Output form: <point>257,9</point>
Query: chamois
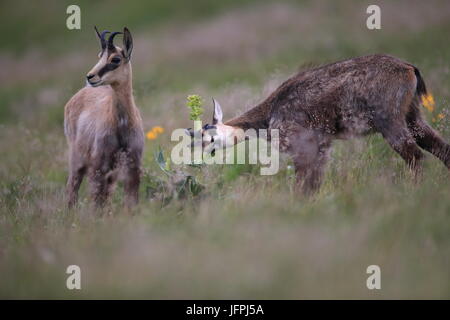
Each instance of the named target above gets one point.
<point>355,97</point>
<point>103,126</point>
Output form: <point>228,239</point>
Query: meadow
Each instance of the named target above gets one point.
<point>241,235</point>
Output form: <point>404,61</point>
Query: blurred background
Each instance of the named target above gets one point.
<point>244,236</point>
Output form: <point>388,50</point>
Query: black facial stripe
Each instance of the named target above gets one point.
<point>107,68</point>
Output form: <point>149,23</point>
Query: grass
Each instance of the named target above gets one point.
<point>245,235</point>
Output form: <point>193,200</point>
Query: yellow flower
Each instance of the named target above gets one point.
<point>158,129</point>
<point>151,135</point>
<point>440,116</point>
<point>428,102</point>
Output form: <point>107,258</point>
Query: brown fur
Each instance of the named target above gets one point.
<point>103,126</point>
<point>376,93</point>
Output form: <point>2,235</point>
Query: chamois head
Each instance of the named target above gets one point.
<point>217,135</point>
<point>114,67</point>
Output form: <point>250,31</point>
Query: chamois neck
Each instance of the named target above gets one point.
<point>255,118</point>
<point>124,92</point>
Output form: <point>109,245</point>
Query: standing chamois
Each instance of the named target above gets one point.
<point>355,97</point>
<point>103,126</point>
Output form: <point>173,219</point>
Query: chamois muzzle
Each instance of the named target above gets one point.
<point>92,80</point>
<point>89,79</point>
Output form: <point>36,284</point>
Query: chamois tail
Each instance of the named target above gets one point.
<point>421,89</point>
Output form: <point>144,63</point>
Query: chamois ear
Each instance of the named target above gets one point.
<point>127,43</point>
<point>218,115</point>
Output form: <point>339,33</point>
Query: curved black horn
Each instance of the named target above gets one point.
<point>103,40</point>
<point>111,40</point>
<point>102,37</point>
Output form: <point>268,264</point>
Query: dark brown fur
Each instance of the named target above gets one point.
<point>376,93</point>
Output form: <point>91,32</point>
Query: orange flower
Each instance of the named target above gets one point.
<point>428,102</point>
<point>440,116</point>
<point>151,135</point>
<point>158,129</point>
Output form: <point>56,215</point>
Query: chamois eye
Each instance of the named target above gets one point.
<point>115,60</point>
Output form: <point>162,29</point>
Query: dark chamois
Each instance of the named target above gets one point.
<point>103,126</point>
<point>376,93</point>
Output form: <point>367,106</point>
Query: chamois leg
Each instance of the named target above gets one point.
<point>102,178</point>
<point>77,171</point>
<point>310,153</point>
<point>428,139</point>
<point>402,141</point>
<point>132,178</point>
